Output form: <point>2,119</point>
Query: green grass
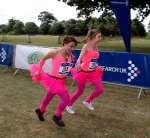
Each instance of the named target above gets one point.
<point>140,45</point>
<point>46,40</point>
<point>118,113</point>
<point>148,35</point>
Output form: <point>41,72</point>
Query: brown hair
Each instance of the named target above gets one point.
<point>69,39</point>
<point>91,34</point>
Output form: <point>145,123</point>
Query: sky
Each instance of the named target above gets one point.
<point>28,10</point>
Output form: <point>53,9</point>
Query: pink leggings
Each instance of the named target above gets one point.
<point>57,87</point>
<point>82,79</point>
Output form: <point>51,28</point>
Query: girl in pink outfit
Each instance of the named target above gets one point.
<point>88,71</point>
<point>54,82</point>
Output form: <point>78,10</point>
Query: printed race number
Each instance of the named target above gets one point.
<point>63,70</point>
<point>93,64</point>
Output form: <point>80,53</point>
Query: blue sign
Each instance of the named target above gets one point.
<point>121,9</point>
<point>148,63</point>
<point>124,68</point>
<point>6,54</point>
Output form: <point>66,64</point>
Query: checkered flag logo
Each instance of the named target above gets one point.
<point>133,71</point>
<point>3,54</point>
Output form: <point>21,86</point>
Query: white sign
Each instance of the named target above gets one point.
<point>27,54</point>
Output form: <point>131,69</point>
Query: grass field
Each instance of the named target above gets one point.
<point>118,114</point>
<point>140,45</point>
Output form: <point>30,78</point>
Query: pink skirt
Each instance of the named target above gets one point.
<point>44,78</point>
<point>81,75</point>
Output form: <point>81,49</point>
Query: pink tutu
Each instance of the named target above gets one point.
<point>45,80</point>
<point>87,76</point>
<point>33,69</point>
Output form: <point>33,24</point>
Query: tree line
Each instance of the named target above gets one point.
<point>87,7</point>
<point>50,25</point>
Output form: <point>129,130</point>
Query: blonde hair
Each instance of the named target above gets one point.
<point>91,34</point>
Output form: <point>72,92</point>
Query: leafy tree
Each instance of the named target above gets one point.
<point>70,27</point>
<point>46,17</point>
<point>3,29</point>
<point>31,28</point>
<point>58,28</point>
<point>87,7</point>
<point>108,26</point>
<point>92,22</point>
<point>149,27</point>
<point>138,28</point>
<point>18,27</point>
<point>11,23</point>
<point>44,28</point>
<point>81,27</point>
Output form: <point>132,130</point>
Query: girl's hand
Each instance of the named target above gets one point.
<point>78,67</point>
<point>37,73</point>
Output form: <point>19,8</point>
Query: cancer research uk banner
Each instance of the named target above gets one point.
<point>126,68</point>
<point>26,55</point>
<point>6,54</point>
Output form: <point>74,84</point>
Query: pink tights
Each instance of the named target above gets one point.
<point>81,82</point>
<point>59,89</point>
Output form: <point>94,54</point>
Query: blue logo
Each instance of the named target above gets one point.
<point>3,55</point>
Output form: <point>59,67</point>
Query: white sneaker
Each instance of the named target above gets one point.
<point>88,105</point>
<point>70,110</point>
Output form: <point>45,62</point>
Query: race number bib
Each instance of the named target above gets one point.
<point>93,64</point>
<point>63,70</point>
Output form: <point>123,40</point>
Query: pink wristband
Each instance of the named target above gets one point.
<point>78,62</point>
<point>41,63</point>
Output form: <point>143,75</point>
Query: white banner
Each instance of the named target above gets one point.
<point>27,54</point>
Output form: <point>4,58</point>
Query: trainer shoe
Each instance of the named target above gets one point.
<point>88,105</point>
<point>58,121</point>
<point>70,110</point>
<point>39,114</point>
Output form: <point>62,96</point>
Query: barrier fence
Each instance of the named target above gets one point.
<point>123,68</point>
<point>6,54</point>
